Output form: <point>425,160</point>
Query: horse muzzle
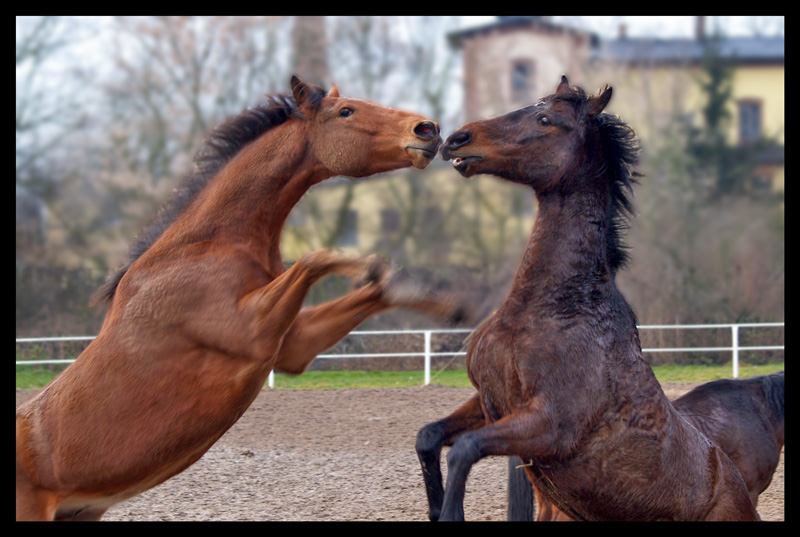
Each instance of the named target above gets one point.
<point>423,152</point>
<point>452,150</point>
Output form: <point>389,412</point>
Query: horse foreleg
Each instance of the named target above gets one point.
<point>276,305</point>
<point>430,440</point>
<point>524,434</point>
<point>318,328</point>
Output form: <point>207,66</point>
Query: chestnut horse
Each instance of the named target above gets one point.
<point>744,417</point>
<point>205,308</point>
<point>558,368</point>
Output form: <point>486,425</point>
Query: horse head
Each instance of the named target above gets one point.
<point>358,138</point>
<point>536,145</point>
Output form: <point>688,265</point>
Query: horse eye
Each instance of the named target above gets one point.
<point>544,121</point>
<point>346,112</point>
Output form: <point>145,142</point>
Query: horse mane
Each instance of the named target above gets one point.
<point>222,144</point>
<point>620,149</point>
<point>621,153</point>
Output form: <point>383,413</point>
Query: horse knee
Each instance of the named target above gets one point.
<point>429,440</point>
<point>465,451</point>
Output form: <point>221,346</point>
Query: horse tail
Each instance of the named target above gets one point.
<point>520,493</point>
<point>773,387</point>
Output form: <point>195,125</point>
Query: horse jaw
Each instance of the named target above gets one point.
<point>421,156</point>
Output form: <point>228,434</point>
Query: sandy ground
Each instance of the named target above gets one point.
<point>336,455</point>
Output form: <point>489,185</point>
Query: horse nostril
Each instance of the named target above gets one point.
<point>426,130</point>
<point>458,139</point>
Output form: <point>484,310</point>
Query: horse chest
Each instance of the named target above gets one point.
<point>490,367</point>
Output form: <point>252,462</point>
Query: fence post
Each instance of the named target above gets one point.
<point>427,357</point>
<point>735,334</point>
<point>271,379</point>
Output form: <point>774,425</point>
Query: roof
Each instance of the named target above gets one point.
<point>527,21</point>
<point>741,49</point>
<point>635,50</point>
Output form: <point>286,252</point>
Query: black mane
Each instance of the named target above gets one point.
<point>621,154</point>
<point>222,144</point>
<point>620,149</point>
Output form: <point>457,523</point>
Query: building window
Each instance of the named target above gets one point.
<point>522,81</point>
<point>749,121</point>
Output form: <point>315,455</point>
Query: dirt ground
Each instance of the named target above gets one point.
<point>336,455</point>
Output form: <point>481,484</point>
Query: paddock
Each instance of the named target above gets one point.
<point>335,455</point>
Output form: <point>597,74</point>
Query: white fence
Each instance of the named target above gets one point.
<point>426,353</point>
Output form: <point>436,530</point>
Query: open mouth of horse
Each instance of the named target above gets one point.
<point>461,163</point>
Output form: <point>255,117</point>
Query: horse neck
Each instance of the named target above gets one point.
<point>568,244</point>
<point>250,198</point>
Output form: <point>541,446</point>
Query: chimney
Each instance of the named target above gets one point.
<point>700,28</point>
<point>623,31</point>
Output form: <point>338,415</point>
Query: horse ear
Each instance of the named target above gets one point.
<point>299,89</point>
<point>596,104</point>
<point>334,91</point>
<point>563,86</point>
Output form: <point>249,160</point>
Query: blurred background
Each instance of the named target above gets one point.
<point>111,110</point>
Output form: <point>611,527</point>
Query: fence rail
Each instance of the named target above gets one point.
<point>735,348</point>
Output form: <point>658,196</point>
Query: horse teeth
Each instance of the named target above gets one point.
<point>457,161</point>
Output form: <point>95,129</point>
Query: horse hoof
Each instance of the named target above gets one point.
<point>376,269</point>
<point>401,289</point>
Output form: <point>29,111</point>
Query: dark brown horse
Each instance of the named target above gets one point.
<point>558,369</point>
<point>745,418</point>
<point>205,308</point>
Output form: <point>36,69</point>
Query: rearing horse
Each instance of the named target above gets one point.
<point>558,368</point>
<point>205,308</point>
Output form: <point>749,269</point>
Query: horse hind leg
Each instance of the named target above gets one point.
<point>84,515</point>
<point>34,503</point>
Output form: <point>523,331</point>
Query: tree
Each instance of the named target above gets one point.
<point>708,144</point>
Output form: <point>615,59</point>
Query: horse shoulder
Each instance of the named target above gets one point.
<point>190,291</point>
